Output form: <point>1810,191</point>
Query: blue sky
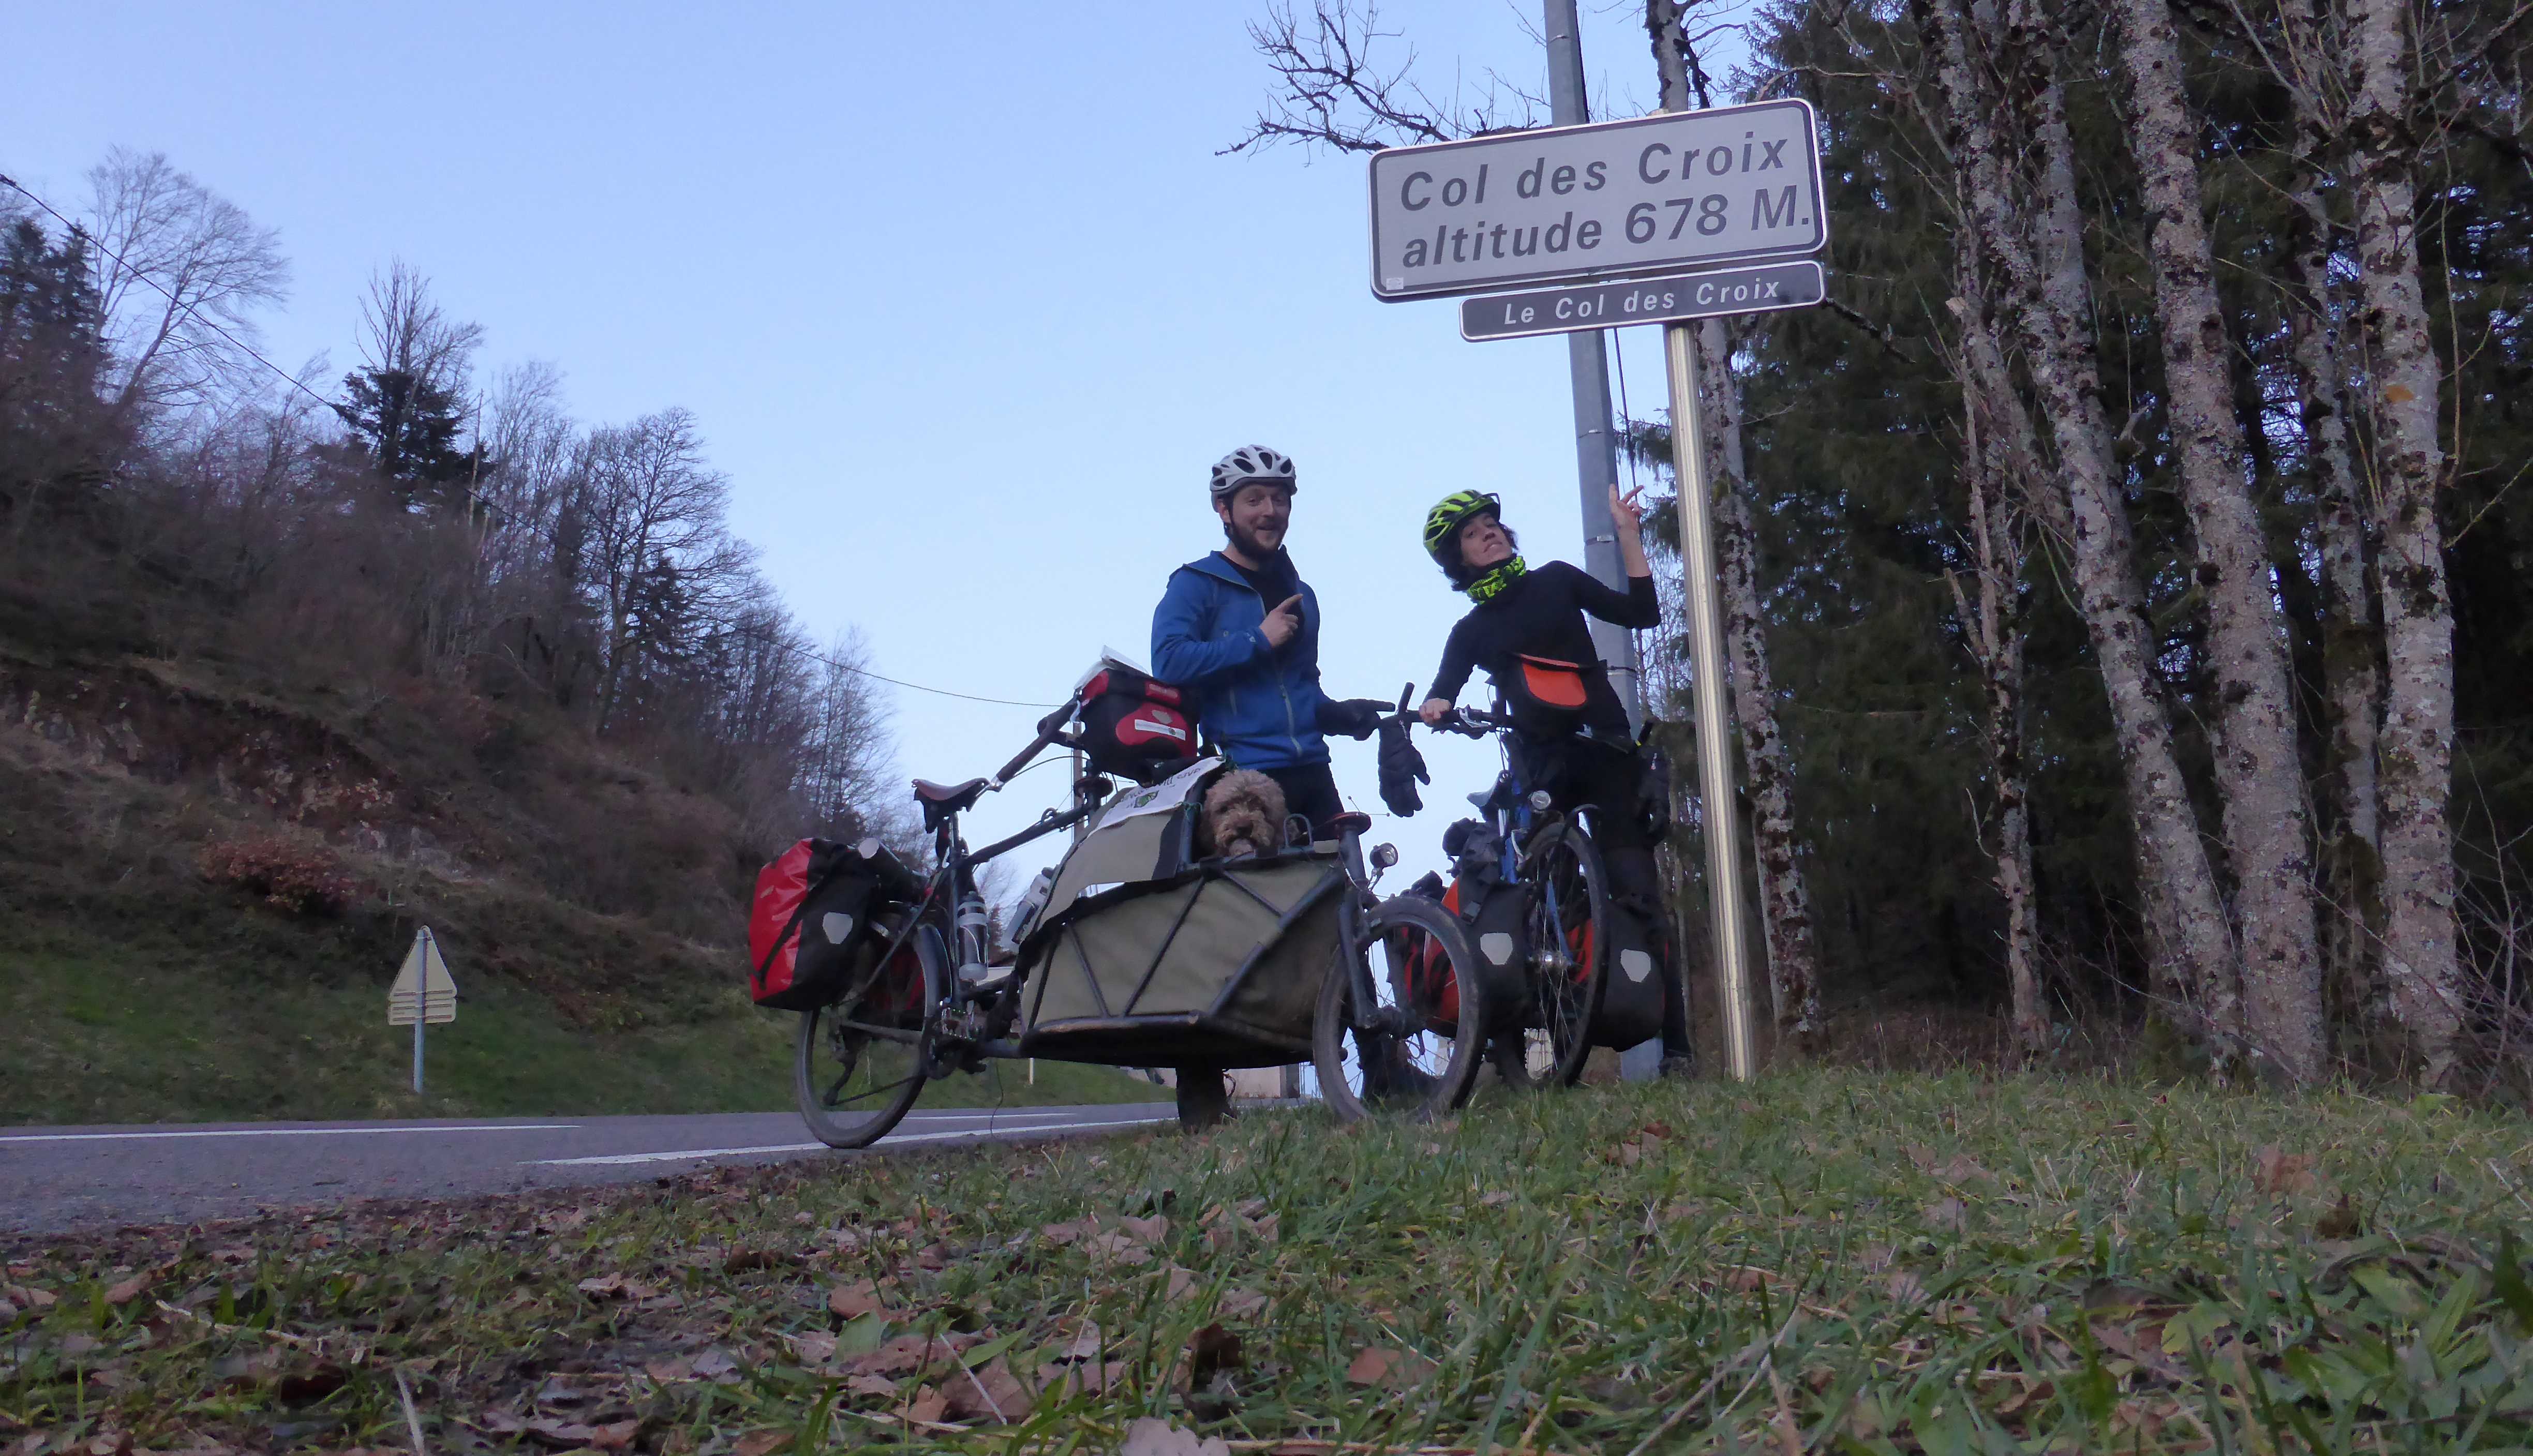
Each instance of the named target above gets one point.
<point>961,295</point>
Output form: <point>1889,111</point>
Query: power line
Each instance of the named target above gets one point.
<point>471,495</point>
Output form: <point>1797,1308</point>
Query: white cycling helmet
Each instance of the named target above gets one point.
<point>1248,464</point>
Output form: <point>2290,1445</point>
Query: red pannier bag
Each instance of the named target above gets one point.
<point>1134,726</point>
<point>809,925</point>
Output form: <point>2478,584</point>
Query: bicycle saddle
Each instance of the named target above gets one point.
<point>950,795</point>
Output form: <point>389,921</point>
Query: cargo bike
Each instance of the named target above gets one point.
<point>1137,948</point>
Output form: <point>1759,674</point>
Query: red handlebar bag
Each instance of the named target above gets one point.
<point>1134,726</point>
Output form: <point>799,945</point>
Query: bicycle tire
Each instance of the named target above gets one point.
<point>823,1046</point>
<point>1562,874</point>
<point>1448,1062</point>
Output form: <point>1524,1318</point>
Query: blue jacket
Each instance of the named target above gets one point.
<point>1260,707</point>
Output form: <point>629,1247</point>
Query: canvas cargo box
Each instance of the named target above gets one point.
<point>1145,956</point>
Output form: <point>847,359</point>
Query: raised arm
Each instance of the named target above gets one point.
<point>1182,653</point>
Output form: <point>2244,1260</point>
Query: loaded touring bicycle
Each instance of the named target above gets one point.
<point>1137,948</point>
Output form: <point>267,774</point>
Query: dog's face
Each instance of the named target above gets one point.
<point>1244,814</point>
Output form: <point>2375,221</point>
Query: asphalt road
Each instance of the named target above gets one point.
<point>63,1180</point>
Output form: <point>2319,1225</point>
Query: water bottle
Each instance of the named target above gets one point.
<point>1032,906</point>
<point>973,937</point>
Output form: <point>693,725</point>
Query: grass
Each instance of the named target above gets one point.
<point>92,1031</point>
<point>1831,1260</point>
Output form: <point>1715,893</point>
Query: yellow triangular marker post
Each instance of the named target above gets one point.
<point>423,993</point>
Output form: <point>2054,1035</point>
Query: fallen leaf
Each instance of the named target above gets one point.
<point>855,1300</point>
<point>1396,1368</point>
<point>902,1356</point>
<point>1240,1304</point>
<point>1269,1229</point>
<point>1181,1282</point>
<point>1946,1213</point>
<point>762,1442</point>
<point>1066,1232</point>
<point>1213,1350</point>
<point>1905,1287</point>
<point>1747,1279</point>
<point>1630,1154</point>
<point>749,1260</point>
<point>669,1372</point>
<point>1659,1130</point>
<point>813,1346</point>
<point>2142,1349</point>
<point>2278,1172</point>
<point>1959,1168</point>
<point>1145,1229</point>
<point>2340,1222</point>
<point>1084,1344</point>
<point>929,1406</point>
<point>604,1286</point>
<point>1251,1207</point>
<point>988,1394</point>
<point>1068,1381</point>
<point>1495,1199</point>
<point>1151,1435</point>
<point>128,1291</point>
<point>715,1365</point>
<point>879,1385</point>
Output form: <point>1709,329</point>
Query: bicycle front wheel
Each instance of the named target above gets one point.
<point>859,1062</point>
<point>1425,984</point>
<point>1565,917</point>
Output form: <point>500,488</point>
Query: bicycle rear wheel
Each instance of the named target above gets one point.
<point>1565,917</point>
<point>859,1062</point>
<point>1423,972</point>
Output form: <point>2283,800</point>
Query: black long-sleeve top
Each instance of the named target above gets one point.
<point>1541,615</point>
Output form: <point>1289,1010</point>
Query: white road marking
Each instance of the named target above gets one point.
<point>277,1133</point>
<point>894,1139</point>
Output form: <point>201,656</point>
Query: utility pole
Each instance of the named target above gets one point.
<point>1595,450</point>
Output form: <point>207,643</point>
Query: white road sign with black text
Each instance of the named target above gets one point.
<point>1675,190</point>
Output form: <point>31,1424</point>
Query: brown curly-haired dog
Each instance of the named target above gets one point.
<point>1243,814</point>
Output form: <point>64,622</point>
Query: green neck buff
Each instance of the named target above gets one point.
<point>1498,577</point>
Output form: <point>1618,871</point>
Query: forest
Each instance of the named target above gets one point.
<point>375,646</point>
<point>2124,569</point>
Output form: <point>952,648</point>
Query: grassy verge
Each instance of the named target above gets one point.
<point>1830,1261</point>
<point>93,1033</point>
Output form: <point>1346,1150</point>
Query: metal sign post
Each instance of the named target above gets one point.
<point>423,993</point>
<point>1713,730</point>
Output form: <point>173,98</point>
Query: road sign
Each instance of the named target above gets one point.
<point>422,993</point>
<point>1581,306</point>
<point>1615,198</point>
<point>423,990</point>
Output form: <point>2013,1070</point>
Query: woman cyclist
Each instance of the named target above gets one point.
<point>1571,735</point>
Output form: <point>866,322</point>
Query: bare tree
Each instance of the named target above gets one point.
<point>2016,176</point>
<point>1332,91</point>
<point>403,331</point>
<point>2402,378</point>
<point>649,497</point>
<point>181,273</point>
<point>2258,769</point>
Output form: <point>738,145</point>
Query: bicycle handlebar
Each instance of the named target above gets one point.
<point>1049,728</point>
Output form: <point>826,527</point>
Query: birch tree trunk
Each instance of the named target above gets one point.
<point>2040,275</point>
<point>2416,748</point>
<point>2260,777</point>
<point>1785,901</point>
<point>1995,627</point>
<point>2352,643</point>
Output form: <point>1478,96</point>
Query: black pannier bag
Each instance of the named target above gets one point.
<point>1134,726</point>
<point>808,928</point>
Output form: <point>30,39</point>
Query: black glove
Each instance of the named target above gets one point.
<point>1355,717</point>
<point>1402,767</point>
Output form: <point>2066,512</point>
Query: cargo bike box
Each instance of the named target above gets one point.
<point>1137,953</point>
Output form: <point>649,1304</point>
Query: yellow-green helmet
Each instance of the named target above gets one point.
<point>1453,511</point>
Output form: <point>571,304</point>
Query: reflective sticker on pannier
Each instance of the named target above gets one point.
<point>1636,963</point>
<point>1144,730</point>
<point>839,928</point>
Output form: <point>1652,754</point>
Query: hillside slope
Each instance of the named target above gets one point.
<point>212,868</point>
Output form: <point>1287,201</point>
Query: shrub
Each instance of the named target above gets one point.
<point>295,878</point>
